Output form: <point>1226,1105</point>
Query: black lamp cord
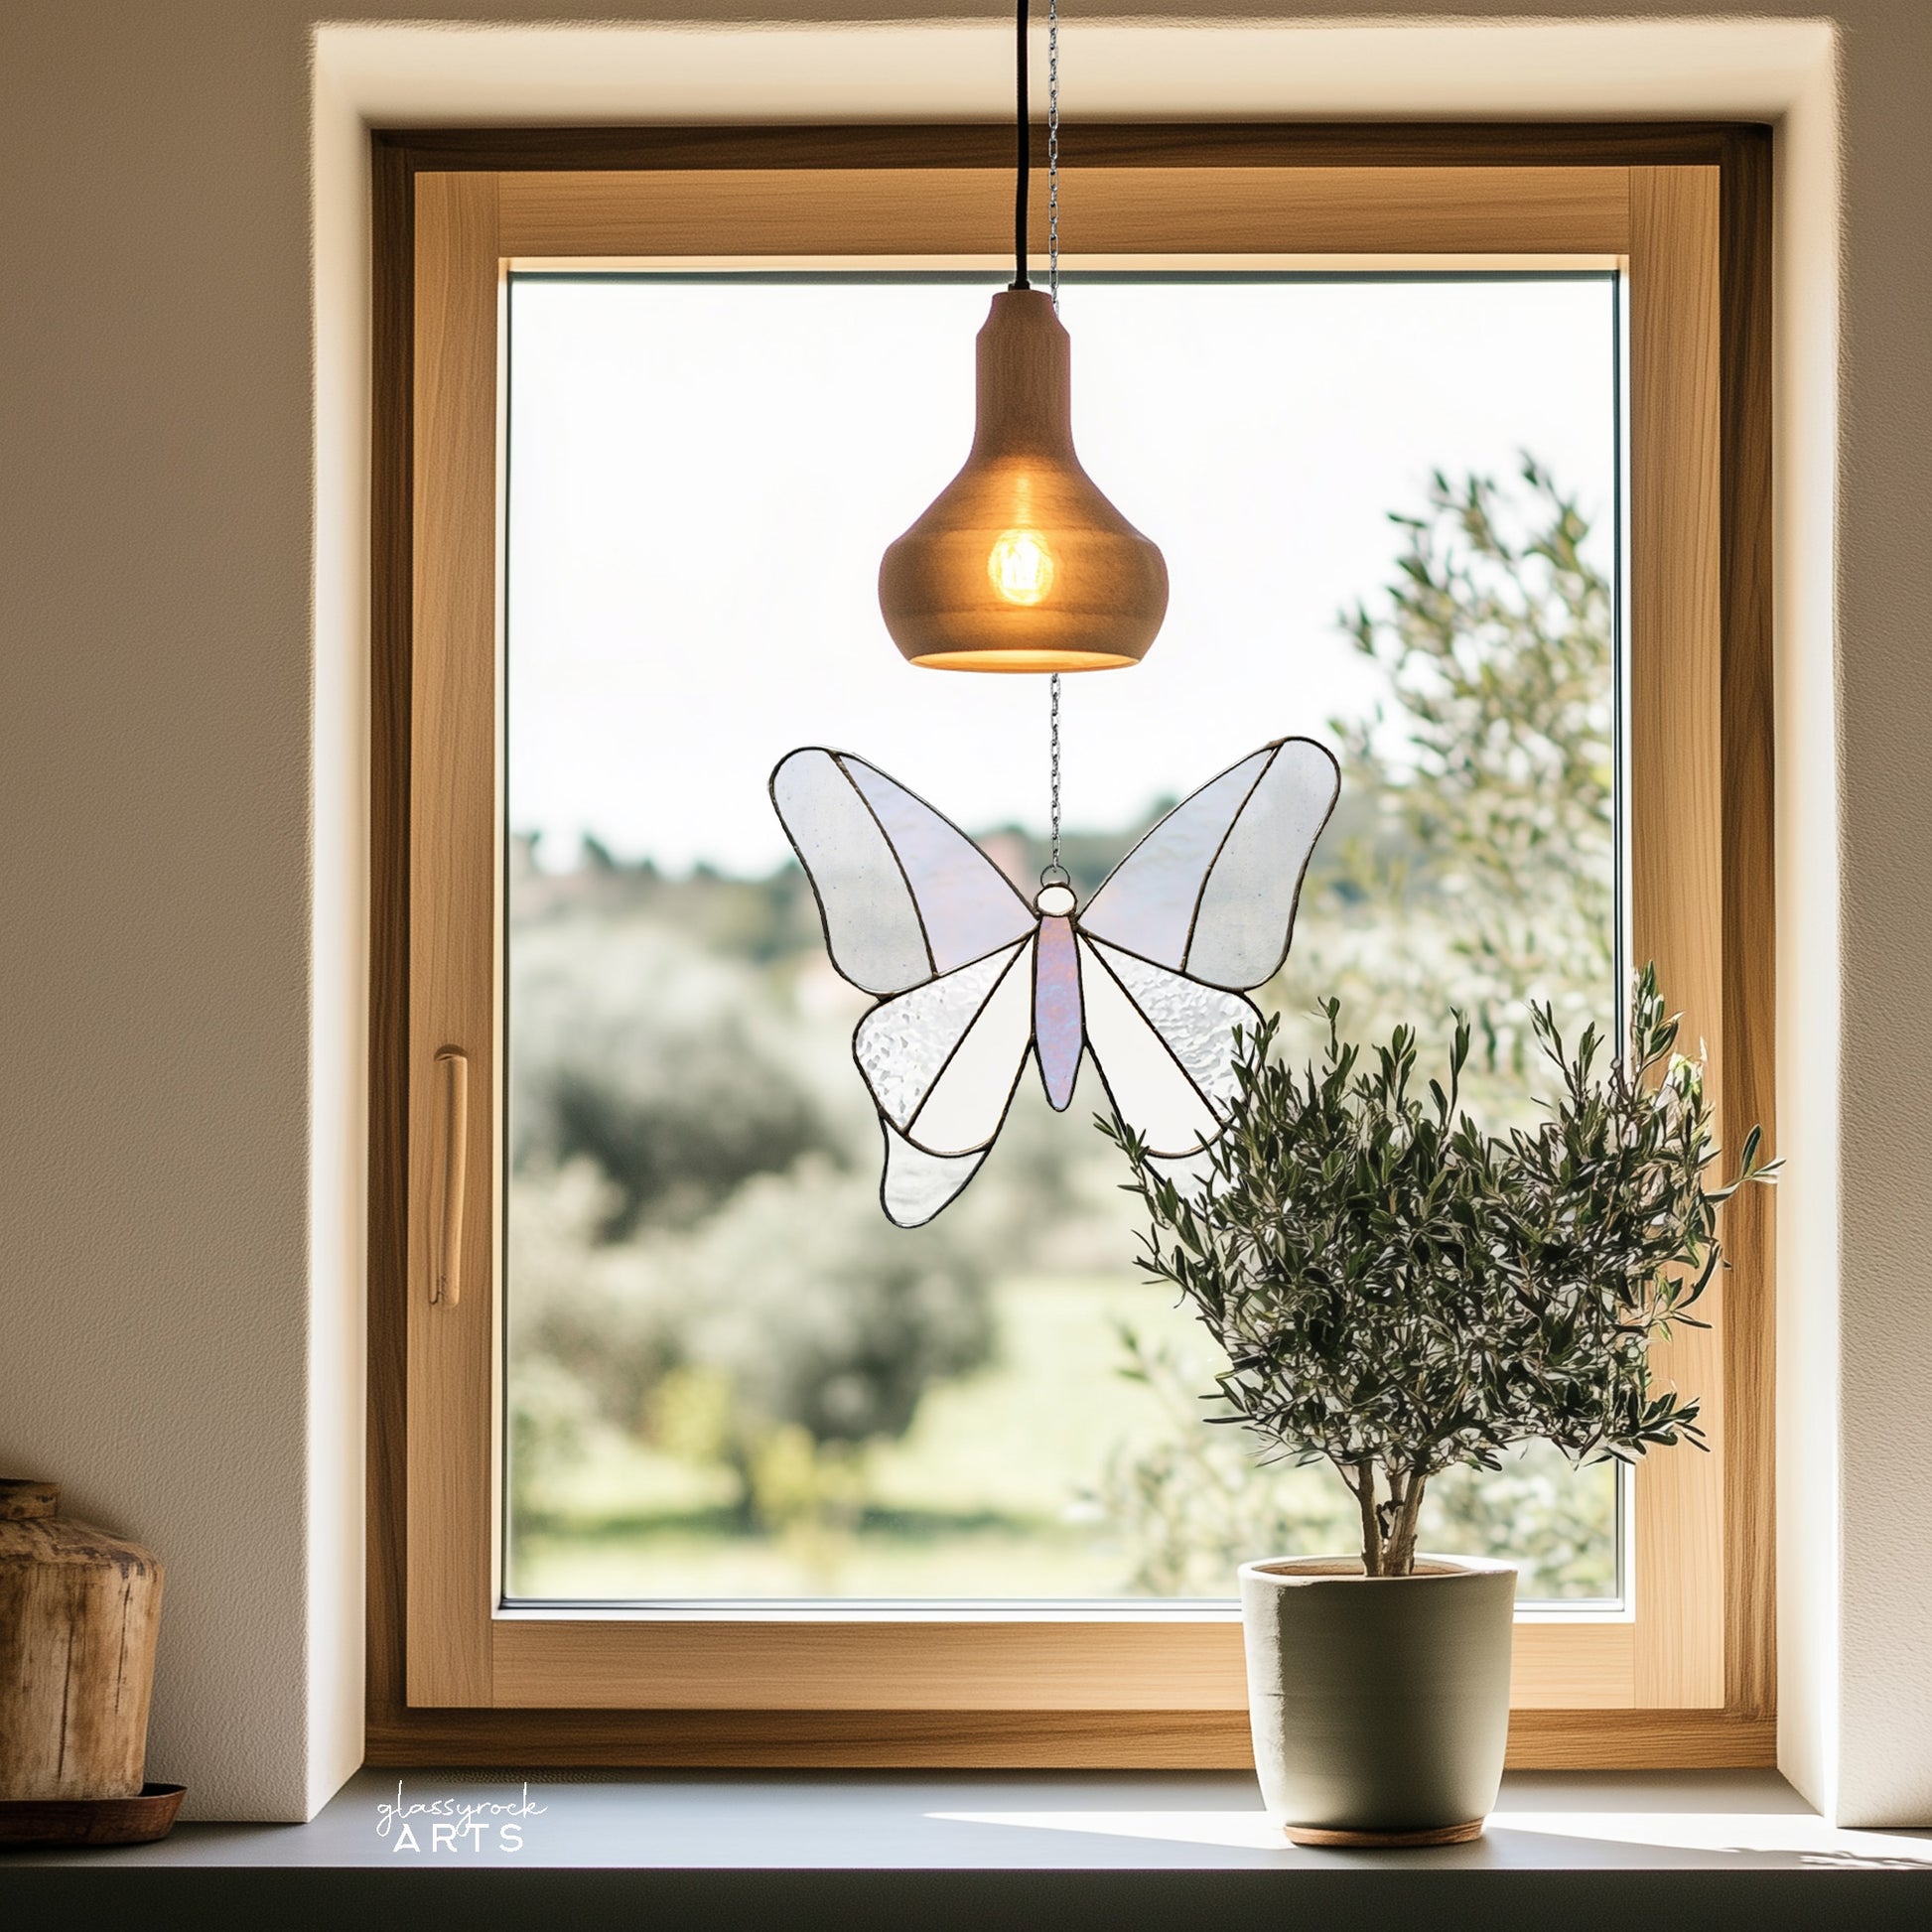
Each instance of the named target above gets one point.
<point>1025,156</point>
<point>1023,174</point>
<point>1055,872</point>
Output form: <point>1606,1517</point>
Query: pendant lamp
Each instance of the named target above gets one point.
<point>1021,564</point>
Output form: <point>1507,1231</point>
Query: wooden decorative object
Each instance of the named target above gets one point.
<point>1316,1838</point>
<point>140,1820</point>
<point>1021,564</point>
<point>78,1611</point>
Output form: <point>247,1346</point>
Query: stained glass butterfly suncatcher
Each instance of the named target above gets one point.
<point>1148,977</point>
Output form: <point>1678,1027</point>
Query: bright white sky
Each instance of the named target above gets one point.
<point>703,478</point>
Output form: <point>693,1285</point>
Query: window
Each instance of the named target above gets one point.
<point>492,1601</point>
<point>724,1378</point>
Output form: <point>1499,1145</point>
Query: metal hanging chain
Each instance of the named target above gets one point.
<point>1055,872</point>
<point>1023,158</point>
<point>1053,152</point>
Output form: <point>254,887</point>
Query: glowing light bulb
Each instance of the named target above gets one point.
<point>1021,566</point>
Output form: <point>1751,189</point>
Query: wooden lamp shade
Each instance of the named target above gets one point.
<point>1021,564</point>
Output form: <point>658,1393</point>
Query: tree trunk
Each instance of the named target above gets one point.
<point>1400,1557</point>
<point>1362,1483</point>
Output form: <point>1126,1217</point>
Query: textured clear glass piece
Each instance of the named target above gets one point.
<point>1146,1081</point>
<point>872,926</point>
<point>1058,1032</point>
<point>968,1101</point>
<point>1147,903</point>
<point>1196,1022</point>
<point>1246,914</point>
<point>1191,1173</point>
<point>965,903</point>
<point>916,1185</point>
<point>903,1045</point>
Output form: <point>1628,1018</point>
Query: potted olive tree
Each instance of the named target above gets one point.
<point>1399,1292</point>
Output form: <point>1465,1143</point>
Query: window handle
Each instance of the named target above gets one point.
<point>446,1281</point>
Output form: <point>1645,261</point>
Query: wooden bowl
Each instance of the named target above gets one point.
<point>91,1821</point>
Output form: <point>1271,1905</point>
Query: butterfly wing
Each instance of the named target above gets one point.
<point>1202,909</point>
<point>914,910</point>
<point>1212,890</point>
<point>941,1063</point>
<point>1164,1044</point>
<point>941,1060</point>
<point>904,894</point>
<point>916,1186</point>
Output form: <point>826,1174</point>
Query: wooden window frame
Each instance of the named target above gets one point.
<point>1686,1677</point>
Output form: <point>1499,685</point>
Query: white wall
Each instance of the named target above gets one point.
<point>183,409</point>
<point>156,991</point>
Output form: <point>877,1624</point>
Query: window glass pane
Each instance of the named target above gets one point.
<point>1388,509</point>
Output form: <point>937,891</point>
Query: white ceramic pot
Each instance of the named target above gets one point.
<point>1380,1704</point>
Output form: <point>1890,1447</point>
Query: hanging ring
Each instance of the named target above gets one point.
<point>1056,875</point>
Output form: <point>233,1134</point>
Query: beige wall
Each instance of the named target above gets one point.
<point>182,390</point>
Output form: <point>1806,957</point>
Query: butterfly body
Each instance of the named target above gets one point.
<point>1060,1025</point>
<point>1147,979</point>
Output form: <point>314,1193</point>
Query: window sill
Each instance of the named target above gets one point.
<point>1149,1848</point>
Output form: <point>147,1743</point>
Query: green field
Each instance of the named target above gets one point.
<point>995,1489</point>
<point>989,1494</point>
